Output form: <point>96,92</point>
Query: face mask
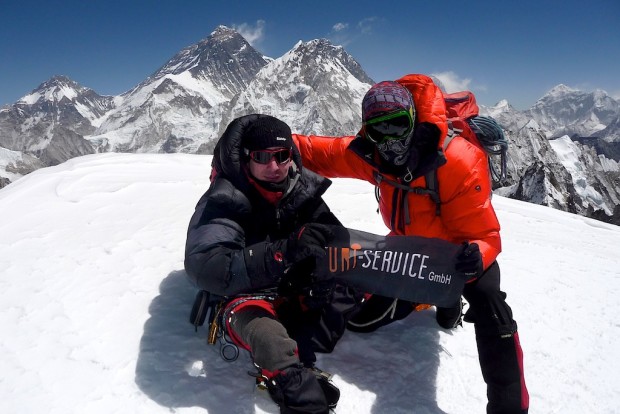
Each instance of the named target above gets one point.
<point>395,151</point>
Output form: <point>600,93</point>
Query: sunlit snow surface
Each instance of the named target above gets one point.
<point>94,305</point>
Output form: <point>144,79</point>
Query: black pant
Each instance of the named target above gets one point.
<point>499,349</point>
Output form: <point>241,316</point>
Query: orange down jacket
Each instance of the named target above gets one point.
<point>464,184</point>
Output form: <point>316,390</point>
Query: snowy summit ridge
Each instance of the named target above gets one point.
<point>95,305</point>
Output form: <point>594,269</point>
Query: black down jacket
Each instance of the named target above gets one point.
<point>230,235</point>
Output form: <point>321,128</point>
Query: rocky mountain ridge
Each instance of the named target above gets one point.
<point>316,87</point>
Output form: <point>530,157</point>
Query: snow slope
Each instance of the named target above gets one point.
<point>94,305</point>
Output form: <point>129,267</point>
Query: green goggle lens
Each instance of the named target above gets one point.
<point>396,125</point>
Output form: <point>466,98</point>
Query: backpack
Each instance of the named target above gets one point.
<point>463,120</point>
<point>482,131</point>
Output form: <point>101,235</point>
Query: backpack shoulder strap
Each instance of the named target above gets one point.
<point>452,132</point>
<point>431,189</point>
<point>432,186</point>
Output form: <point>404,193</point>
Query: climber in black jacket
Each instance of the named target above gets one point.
<point>254,240</point>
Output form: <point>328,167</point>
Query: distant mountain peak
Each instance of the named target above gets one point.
<point>323,42</point>
<point>556,94</point>
<point>600,94</point>
<point>503,106</point>
<point>325,48</point>
<point>317,45</point>
<point>561,89</point>
<point>54,89</point>
<point>224,50</point>
<point>57,81</point>
<point>222,30</point>
<point>61,79</point>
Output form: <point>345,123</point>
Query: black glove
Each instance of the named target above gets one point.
<point>469,261</point>
<point>289,261</point>
<point>310,241</point>
<point>300,251</point>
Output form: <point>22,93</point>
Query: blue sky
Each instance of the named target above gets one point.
<point>514,50</point>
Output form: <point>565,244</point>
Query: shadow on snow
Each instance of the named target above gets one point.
<point>177,368</point>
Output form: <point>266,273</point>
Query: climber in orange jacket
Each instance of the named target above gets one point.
<point>400,145</point>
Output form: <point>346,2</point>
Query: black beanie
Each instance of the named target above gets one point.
<point>266,132</point>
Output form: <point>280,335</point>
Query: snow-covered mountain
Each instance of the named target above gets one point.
<point>606,141</point>
<point>593,176</point>
<point>567,111</point>
<point>50,122</point>
<point>94,305</point>
<point>16,164</point>
<point>180,107</point>
<point>317,88</point>
<point>591,118</point>
<point>559,173</point>
<point>186,104</point>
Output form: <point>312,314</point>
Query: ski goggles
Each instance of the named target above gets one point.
<point>281,155</point>
<point>396,125</point>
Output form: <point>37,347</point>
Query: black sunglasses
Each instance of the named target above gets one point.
<point>282,155</point>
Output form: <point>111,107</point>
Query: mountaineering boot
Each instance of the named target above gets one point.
<point>450,318</point>
<point>297,390</point>
<point>332,393</point>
